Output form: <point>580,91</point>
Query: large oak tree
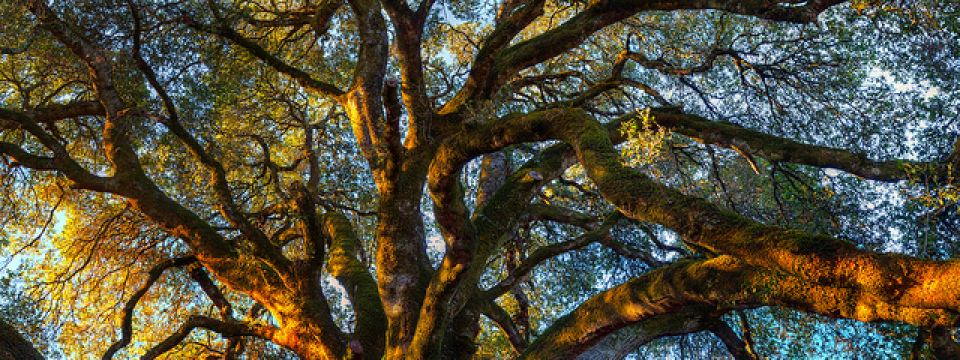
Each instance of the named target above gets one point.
<point>217,167</point>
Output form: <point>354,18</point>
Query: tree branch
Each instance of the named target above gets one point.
<point>546,252</point>
<point>736,346</point>
<point>14,346</point>
<point>720,231</point>
<point>228,329</point>
<point>221,187</point>
<point>494,67</point>
<point>778,149</point>
<point>301,77</point>
<point>503,320</point>
<point>360,286</point>
<point>126,322</point>
<point>732,284</point>
<point>617,345</point>
<point>61,160</point>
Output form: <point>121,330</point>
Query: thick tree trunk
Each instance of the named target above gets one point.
<point>14,346</point>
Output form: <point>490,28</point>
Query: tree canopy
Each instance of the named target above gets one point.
<point>383,179</point>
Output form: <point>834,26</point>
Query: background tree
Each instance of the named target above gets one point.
<point>387,179</point>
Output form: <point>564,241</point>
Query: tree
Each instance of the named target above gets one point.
<point>258,152</point>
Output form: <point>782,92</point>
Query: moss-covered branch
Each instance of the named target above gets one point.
<point>778,149</point>
<point>360,286</point>
<point>621,343</point>
<point>720,283</point>
<point>903,281</point>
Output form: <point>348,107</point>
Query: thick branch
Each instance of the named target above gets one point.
<point>52,113</point>
<point>221,188</point>
<point>409,26</point>
<point>360,286</point>
<point>720,283</point>
<point>902,280</point>
<point>441,301</point>
<point>621,343</point>
<point>13,346</point>
<point>778,149</point>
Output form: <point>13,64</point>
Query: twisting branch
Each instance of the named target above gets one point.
<point>503,320</point>
<point>302,77</point>
<point>126,323</point>
<point>512,19</point>
<point>360,286</point>
<point>409,25</point>
<point>228,329</point>
<point>61,160</point>
<point>777,149</point>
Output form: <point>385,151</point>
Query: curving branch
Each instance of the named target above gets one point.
<point>493,68</point>
<point>732,284</point>
<point>409,26</point>
<point>506,324</point>
<point>512,18</point>
<point>777,149</point>
<point>301,77</point>
<point>14,346</point>
<point>720,231</point>
<point>126,322</point>
<point>60,161</point>
<point>877,280</point>
<point>227,329</point>
<point>621,343</point>
<point>220,185</point>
